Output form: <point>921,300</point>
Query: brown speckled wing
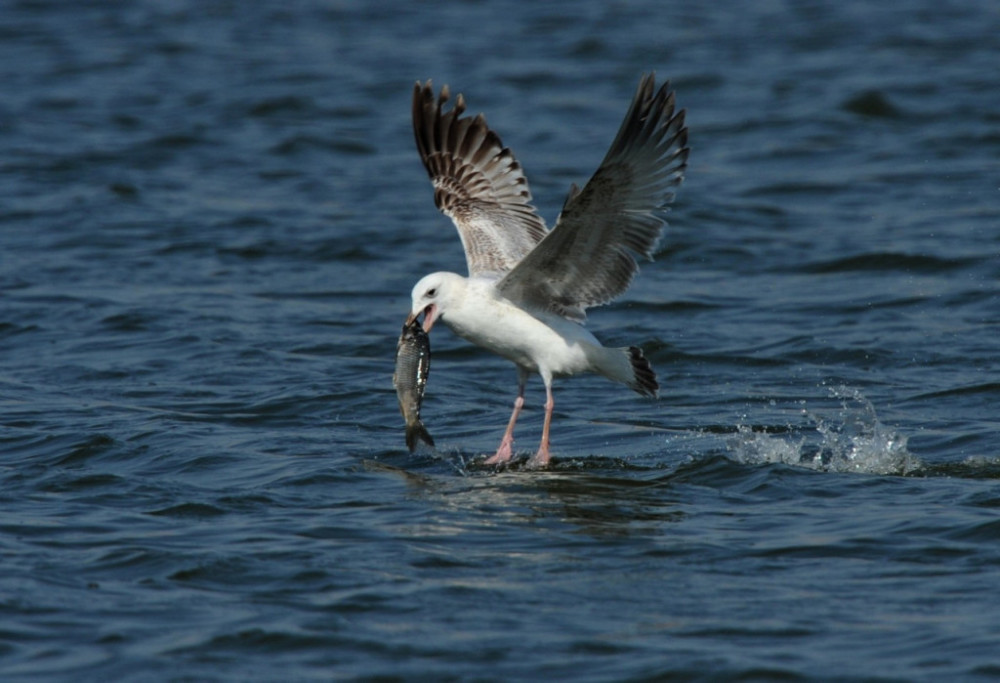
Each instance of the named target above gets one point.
<point>588,258</point>
<point>477,183</point>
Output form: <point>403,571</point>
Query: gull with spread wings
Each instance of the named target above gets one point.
<point>528,288</point>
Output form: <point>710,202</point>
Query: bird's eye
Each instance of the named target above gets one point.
<point>432,291</point>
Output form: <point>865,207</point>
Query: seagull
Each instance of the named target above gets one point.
<point>528,288</point>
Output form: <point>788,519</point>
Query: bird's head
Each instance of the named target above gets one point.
<point>434,295</point>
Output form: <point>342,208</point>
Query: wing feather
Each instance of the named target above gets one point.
<point>477,183</point>
<point>589,257</point>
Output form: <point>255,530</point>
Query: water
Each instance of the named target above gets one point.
<point>211,215</point>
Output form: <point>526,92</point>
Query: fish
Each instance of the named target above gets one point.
<point>413,365</point>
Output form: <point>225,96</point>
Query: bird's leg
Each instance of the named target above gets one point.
<point>541,458</point>
<point>506,450</point>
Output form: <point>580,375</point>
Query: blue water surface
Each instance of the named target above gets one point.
<point>211,216</point>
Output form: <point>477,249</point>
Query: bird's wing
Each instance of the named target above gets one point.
<point>588,258</point>
<point>477,183</point>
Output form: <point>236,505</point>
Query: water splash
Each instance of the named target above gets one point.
<point>851,440</point>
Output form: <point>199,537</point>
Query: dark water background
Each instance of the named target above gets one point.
<point>212,213</point>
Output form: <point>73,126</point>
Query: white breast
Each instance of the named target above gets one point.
<point>540,343</point>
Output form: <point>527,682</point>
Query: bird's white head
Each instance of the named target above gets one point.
<point>434,295</point>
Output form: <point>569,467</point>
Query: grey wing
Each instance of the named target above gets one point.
<point>588,258</point>
<point>477,183</point>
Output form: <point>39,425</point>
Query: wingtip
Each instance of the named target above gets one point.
<point>423,98</point>
<point>423,90</point>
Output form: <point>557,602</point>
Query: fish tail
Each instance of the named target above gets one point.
<point>417,431</point>
<point>627,365</point>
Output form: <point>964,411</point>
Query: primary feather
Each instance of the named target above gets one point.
<point>588,258</point>
<point>477,183</point>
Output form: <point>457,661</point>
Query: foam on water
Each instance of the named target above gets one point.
<point>850,440</point>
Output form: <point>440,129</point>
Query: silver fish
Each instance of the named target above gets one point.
<point>413,364</point>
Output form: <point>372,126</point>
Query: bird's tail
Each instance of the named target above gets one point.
<point>627,365</point>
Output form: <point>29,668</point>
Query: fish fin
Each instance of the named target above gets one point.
<point>417,431</point>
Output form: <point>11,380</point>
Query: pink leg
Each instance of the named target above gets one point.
<point>541,458</point>
<point>506,450</point>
